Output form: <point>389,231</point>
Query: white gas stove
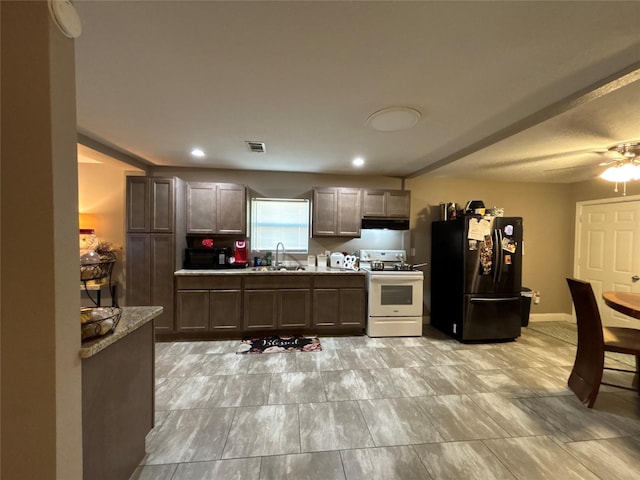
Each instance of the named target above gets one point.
<point>394,294</point>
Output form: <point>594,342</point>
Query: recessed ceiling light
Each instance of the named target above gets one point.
<point>392,119</point>
<point>197,152</point>
<point>358,162</point>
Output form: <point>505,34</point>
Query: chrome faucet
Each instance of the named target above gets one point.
<point>277,264</point>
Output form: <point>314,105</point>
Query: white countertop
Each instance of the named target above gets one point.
<point>257,271</point>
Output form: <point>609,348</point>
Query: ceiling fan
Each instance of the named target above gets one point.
<point>625,167</point>
<point>623,162</point>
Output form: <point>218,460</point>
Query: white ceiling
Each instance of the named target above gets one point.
<point>507,89</point>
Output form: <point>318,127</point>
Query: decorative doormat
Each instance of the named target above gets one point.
<point>279,344</point>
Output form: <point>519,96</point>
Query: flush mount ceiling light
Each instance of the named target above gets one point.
<point>626,168</point>
<point>392,119</point>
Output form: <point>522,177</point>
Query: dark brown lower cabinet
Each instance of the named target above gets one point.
<point>339,302</point>
<point>225,310</point>
<point>209,304</point>
<point>280,309</point>
<point>277,302</point>
<point>192,310</point>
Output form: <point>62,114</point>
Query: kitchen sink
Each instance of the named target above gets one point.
<point>282,268</point>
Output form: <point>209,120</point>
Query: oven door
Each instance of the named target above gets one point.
<point>395,294</point>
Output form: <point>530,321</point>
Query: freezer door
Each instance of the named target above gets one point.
<point>490,318</point>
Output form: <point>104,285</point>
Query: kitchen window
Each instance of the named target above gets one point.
<point>276,220</point>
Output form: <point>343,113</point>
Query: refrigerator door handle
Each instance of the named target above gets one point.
<point>499,255</point>
<point>496,256</point>
<point>487,300</point>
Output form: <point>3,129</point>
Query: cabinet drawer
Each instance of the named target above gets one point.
<point>214,282</point>
<point>339,281</point>
<point>277,280</point>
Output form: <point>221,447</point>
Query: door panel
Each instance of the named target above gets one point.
<point>608,252</point>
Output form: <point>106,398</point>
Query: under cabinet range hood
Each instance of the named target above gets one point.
<point>385,223</point>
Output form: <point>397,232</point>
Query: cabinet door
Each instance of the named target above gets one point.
<point>225,307</point>
<point>192,310</point>
<point>138,266</point>
<point>326,307</point>
<point>352,307</point>
<point>294,308</point>
<point>137,202</point>
<point>231,209</point>
<point>349,212</point>
<point>162,266</point>
<point>325,212</point>
<point>201,207</point>
<point>161,205</point>
<point>260,309</point>
<point>374,203</point>
<point>398,203</point>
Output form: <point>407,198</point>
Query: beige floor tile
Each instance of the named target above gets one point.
<point>401,382</point>
<point>325,360</point>
<point>390,408</point>
<point>264,430</point>
<point>462,460</point>
<point>240,390</point>
<point>456,417</point>
<point>235,469</point>
<point>304,466</point>
<point>332,426</point>
<point>612,459</point>
<point>538,458</point>
<point>398,421</point>
<point>296,387</point>
<point>189,436</point>
<point>154,472</point>
<point>350,385</point>
<point>397,463</point>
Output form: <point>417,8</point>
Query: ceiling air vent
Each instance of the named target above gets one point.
<point>256,147</point>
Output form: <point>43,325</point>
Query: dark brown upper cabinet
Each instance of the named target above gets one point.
<point>386,203</point>
<point>337,212</point>
<point>150,205</point>
<point>216,208</point>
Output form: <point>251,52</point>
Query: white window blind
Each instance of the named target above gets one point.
<point>276,220</point>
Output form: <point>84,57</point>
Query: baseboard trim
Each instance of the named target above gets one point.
<point>551,317</point>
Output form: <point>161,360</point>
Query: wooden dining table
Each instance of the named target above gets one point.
<point>623,302</point>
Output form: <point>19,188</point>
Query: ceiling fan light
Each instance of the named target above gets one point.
<point>621,173</point>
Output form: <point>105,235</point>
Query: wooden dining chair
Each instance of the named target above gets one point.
<point>593,341</point>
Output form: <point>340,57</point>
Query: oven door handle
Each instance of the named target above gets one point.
<point>403,277</point>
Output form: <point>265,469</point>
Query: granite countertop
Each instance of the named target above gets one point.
<point>258,271</point>
<point>131,319</point>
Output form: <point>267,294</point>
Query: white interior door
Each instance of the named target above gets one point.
<point>608,252</point>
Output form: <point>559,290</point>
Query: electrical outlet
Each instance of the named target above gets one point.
<point>536,297</point>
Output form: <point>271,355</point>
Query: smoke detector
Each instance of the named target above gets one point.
<point>256,147</point>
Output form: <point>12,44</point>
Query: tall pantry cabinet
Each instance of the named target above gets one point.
<point>151,245</point>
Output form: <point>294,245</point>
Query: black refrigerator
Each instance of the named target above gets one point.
<point>476,272</point>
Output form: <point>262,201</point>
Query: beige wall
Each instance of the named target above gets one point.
<point>548,228</point>
<point>41,370</point>
<point>101,193</point>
